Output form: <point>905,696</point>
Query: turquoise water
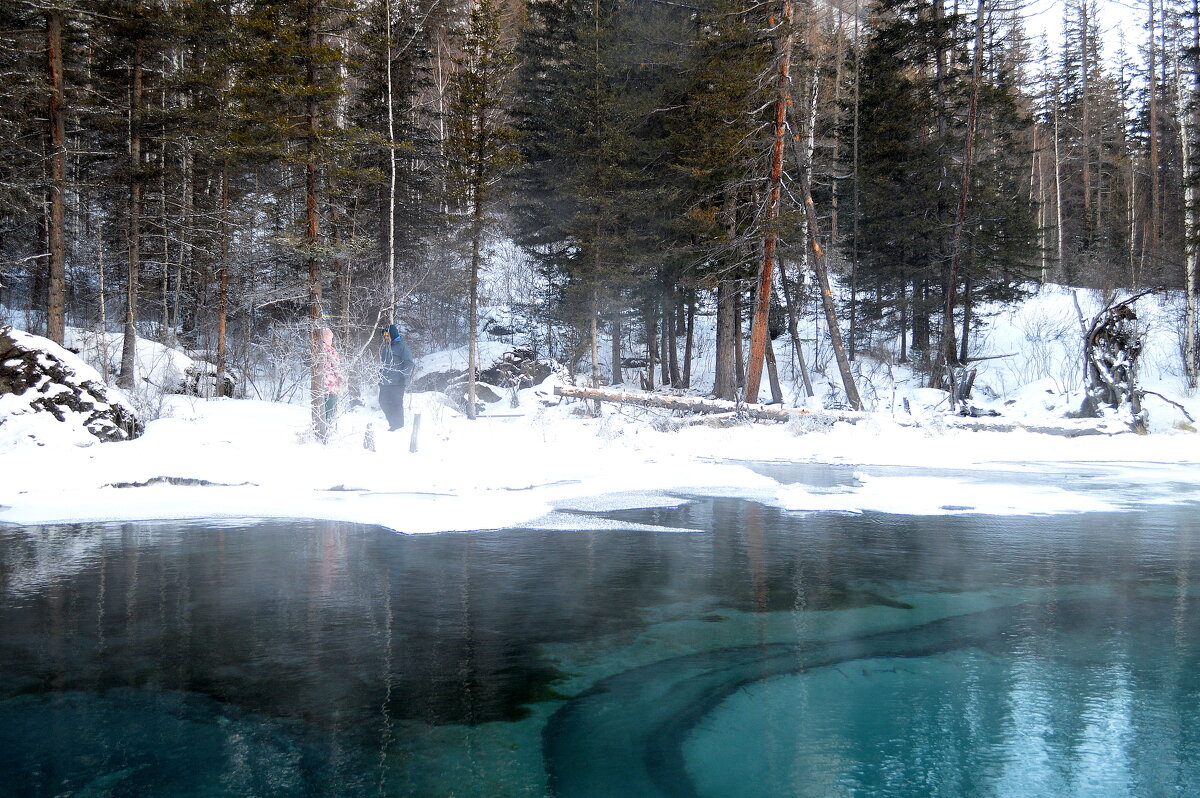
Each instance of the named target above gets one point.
<point>764,654</point>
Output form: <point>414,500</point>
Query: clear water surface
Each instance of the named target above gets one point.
<point>764,654</point>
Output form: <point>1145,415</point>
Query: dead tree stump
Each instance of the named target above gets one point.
<point>1111,349</point>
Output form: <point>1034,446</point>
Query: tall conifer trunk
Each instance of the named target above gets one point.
<point>1086,132</point>
<point>818,261</point>
<point>671,314</point>
<point>390,313</point>
<point>739,357</point>
<point>664,354</point>
<point>790,301</point>
<point>187,217</point>
<point>690,331</point>
<point>1155,191</point>
<point>103,306</point>
<point>1187,110</point>
<point>762,296</point>
<point>129,344</point>
<point>56,300</point>
<point>223,221</point>
<point>595,344</point>
<point>473,298</point>
<point>773,373</point>
<point>949,356</point>
<point>651,344</point>
<point>835,334</point>
<point>724,379</point>
<point>479,148</point>
<point>618,376</point>
<point>223,277</point>
<point>725,382</point>
<point>313,228</point>
<point>964,342</point>
<point>1060,233</point>
<point>853,326</point>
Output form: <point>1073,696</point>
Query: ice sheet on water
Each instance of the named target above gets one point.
<point>580,522</point>
<point>943,495</point>
<point>612,502</point>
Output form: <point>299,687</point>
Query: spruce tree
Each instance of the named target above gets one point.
<point>480,148</point>
<point>287,97</point>
<point>912,138</point>
<point>901,210</point>
<point>718,129</point>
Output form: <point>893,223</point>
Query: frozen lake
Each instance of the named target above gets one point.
<point>743,650</point>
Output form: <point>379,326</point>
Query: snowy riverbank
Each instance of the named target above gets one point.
<point>538,466</point>
<point>542,463</point>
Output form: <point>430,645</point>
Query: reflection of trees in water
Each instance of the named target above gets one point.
<point>353,628</point>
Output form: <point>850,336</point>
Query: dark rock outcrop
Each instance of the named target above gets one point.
<point>200,379</point>
<point>435,381</point>
<point>48,379</point>
<point>516,369</point>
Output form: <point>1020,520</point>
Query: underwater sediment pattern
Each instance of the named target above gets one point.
<point>762,654</point>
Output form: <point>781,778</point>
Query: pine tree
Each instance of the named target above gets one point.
<point>287,98</point>
<point>212,42</point>
<point>398,194</point>
<point>481,148</point>
<point>131,32</point>
<point>913,135</point>
<point>717,133</point>
<point>1093,149</point>
<point>34,106</point>
<point>902,215</point>
<point>594,180</point>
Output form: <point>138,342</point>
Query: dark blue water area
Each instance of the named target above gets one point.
<point>764,654</point>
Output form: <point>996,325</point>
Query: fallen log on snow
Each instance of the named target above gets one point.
<point>692,404</point>
<point>1072,428</point>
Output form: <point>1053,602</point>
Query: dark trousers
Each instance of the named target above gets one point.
<point>391,401</point>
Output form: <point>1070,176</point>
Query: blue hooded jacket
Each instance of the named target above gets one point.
<point>397,360</point>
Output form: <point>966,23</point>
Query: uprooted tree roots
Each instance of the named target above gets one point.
<point>1111,349</point>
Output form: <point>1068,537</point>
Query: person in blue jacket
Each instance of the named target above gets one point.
<point>395,372</point>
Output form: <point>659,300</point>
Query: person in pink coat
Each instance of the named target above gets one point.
<point>332,378</point>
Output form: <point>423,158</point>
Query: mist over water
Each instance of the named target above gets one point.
<point>766,653</point>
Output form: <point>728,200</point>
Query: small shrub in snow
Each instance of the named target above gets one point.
<point>149,401</point>
<point>804,425</point>
<point>609,429</point>
<point>664,423</point>
<point>582,410</point>
<point>200,379</point>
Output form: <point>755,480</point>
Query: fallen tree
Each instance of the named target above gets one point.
<point>692,404</point>
<point>1071,428</point>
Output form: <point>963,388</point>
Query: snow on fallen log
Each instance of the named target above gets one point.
<point>692,404</point>
<point>1070,428</point>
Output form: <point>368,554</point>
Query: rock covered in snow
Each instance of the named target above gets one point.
<point>200,379</point>
<point>39,379</point>
<point>512,368</point>
<point>517,368</point>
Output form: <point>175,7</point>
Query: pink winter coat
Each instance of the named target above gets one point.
<point>331,364</point>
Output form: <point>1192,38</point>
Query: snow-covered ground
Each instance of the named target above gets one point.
<point>546,464</point>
